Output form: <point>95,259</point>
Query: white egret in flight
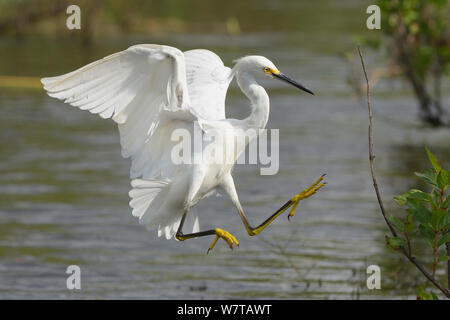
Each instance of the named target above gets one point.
<point>151,90</point>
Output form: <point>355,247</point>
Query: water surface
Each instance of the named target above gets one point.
<point>64,185</point>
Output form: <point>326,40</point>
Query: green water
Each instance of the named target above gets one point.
<point>64,185</point>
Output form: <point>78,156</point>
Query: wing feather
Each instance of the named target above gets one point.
<point>149,91</point>
<point>207,80</point>
<point>133,87</point>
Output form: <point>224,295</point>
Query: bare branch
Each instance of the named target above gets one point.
<point>377,191</point>
<point>447,245</point>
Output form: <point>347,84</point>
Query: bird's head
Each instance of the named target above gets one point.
<point>260,66</point>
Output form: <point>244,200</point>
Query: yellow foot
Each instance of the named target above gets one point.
<point>308,192</point>
<point>225,235</point>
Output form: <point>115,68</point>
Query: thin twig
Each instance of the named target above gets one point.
<point>435,252</point>
<point>377,191</point>
<point>408,242</point>
<point>447,245</point>
<point>371,154</point>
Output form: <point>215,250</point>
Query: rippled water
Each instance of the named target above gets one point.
<point>64,185</point>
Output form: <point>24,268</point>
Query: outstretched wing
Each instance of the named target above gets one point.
<point>207,80</point>
<point>142,89</point>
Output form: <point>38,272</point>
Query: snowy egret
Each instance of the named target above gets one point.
<point>149,91</point>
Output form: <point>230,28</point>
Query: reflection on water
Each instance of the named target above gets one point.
<point>63,196</point>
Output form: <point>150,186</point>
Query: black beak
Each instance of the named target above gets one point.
<point>293,82</point>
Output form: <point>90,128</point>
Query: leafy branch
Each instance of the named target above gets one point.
<point>429,210</point>
<point>419,44</point>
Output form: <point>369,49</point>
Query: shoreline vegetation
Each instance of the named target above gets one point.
<point>13,82</point>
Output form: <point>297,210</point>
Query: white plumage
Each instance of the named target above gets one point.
<point>151,90</point>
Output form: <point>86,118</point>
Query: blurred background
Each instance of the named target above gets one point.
<point>64,185</point>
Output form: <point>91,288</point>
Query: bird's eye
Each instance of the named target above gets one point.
<point>267,70</point>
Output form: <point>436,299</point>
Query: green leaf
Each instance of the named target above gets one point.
<point>420,212</point>
<point>446,203</point>
<point>396,222</point>
<point>443,258</point>
<point>423,295</point>
<point>436,218</point>
<point>412,194</point>
<point>401,199</point>
<point>409,223</point>
<point>444,239</point>
<point>442,180</point>
<point>415,194</point>
<point>437,167</point>
<point>427,234</point>
<point>394,242</point>
<point>429,176</point>
<point>436,198</point>
<point>446,221</point>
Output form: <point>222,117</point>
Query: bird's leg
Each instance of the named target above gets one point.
<point>219,233</point>
<point>225,235</point>
<point>308,192</point>
<point>293,202</point>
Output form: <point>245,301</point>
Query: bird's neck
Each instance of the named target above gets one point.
<point>259,101</point>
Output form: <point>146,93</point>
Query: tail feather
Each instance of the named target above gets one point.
<point>157,211</point>
<point>143,194</point>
